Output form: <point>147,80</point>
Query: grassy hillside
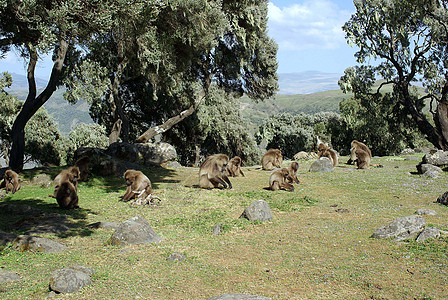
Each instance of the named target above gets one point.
<point>318,245</point>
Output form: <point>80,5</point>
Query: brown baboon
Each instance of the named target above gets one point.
<point>83,166</point>
<point>68,175</point>
<point>213,172</point>
<point>66,195</point>
<point>234,167</point>
<point>11,181</point>
<point>278,181</point>
<point>292,177</point>
<point>272,159</point>
<point>323,150</point>
<point>139,186</point>
<point>360,154</point>
<point>115,132</point>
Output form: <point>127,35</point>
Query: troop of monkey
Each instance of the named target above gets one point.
<point>213,173</point>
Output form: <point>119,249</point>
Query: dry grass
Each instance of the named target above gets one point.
<point>317,246</point>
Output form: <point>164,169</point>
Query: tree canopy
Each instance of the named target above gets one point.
<point>408,41</point>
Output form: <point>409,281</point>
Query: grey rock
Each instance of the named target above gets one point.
<point>157,153</point>
<point>322,165</point>
<point>436,158</point>
<point>35,243</point>
<point>428,167</point>
<point>407,151</point>
<point>176,256</point>
<point>42,180</point>
<point>21,209</point>
<point>217,229</point>
<point>431,174</point>
<point>412,158</point>
<point>428,233</point>
<point>258,211</point>
<point>6,238</point>
<point>443,199</point>
<point>70,280</point>
<point>105,225</point>
<point>134,231</point>
<point>402,228</point>
<point>238,297</point>
<point>6,276</point>
<point>425,211</point>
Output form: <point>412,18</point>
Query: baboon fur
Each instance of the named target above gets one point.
<point>138,185</point>
<point>83,166</point>
<point>11,181</point>
<point>277,181</point>
<point>68,175</point>
<point>213,172</point>
<point>325,151</point>
<point>234,167</point>
<point>360,154</point>
<point>272,159</point>
<point>292,177</point>
<point>67,196</point>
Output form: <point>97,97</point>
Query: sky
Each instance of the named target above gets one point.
<point>308,33</point>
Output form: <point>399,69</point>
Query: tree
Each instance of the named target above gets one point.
<point>409,41</point>
<point>41,27</point>
<point>43,140</point>
<point>161,61</point>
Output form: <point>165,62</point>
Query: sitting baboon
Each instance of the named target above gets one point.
<point>278,180</point>
<point>355,145</point>
<point>360,154</point>
<point>292,177</point>
<point>325,151</point>
<point>83,166</point>
<point>66,195</point>
<point>234,167</point>
<point>138,185</point>
<point>11,181</point>
<point>115,132</point>
<point>213,172</point>
<point>68,175</point>
<point>272,159</point>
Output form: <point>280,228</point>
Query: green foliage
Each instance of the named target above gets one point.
<point>408,40</point>
<point>292,134</point>
<point>85,135</point>
<point>217,127</point>
<point>379,122</point>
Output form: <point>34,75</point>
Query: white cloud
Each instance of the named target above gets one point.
<point>308,25</point>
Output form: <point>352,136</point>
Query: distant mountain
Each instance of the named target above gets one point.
<point>307,82</point>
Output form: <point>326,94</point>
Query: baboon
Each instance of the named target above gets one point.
<point>139,186</point>
<point>292,177</point>
<point>68,175</point>
<point>272,159</point>
<point>66,195</point>
<point>234,167</point>
<point>324,150</point>
<point>360,154</point>
<point>115,132</point>
<point>11,181</point>
<point>278,180</point>
<point>83,166</point>
<point>213,172</point>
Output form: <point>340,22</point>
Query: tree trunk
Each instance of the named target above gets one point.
<point>33,103</point>
<point>441,117</point>
<point>159,129</point>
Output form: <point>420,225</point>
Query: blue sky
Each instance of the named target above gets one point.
<point>308,33</point>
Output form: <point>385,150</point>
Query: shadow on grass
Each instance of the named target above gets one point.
<point>35,217</point>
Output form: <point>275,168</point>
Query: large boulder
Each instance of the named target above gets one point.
<point>443,199</point>
<point>258,211</point>
<point>134,231</point>
<point>35,243</point>
<point>70,280</point>
<point>402,228</point>
<point>157,153</point>
<point>322,165</point>
<point>436,158</point>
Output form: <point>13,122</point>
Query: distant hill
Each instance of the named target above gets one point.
<point>307,92</point>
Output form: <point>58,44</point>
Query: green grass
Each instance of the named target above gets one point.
<point>317,246</point>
